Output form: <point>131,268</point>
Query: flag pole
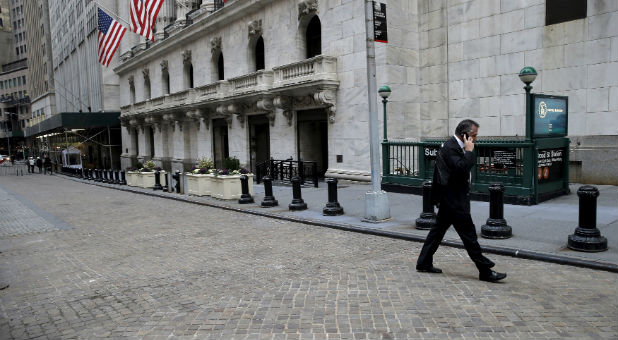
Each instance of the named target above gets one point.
<point>112,12</point>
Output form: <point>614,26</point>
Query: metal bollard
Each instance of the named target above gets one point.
<point>90,174</point>
<point>166,186</point>
<point>157,185</point>
<point>587,237</point>
<point>97,175</point>
<point>496,226</point>
<point>428,216</point>
<point>332,208</point>
<point>105,179</point>
<point>269,200</point>
<point>176,177</point>
<point>245,197</point>
<point>297,201</point>
<point>116,176</point>
<point>123,179</point>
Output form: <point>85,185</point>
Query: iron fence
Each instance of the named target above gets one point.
<point>284,170</point>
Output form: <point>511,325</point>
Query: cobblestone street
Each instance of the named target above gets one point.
<point>86,262</point>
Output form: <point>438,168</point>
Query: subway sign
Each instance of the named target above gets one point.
<point>550,115</point>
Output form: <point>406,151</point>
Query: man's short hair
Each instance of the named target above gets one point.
<point>465,126</point>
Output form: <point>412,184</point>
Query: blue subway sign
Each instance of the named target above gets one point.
<point>550,115</point>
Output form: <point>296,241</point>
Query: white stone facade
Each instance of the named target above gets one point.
<point>445,61</point>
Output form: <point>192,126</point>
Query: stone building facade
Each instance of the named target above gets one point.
<point>287,78</point>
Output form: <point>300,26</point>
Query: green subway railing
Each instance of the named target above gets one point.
<point>511,162</point>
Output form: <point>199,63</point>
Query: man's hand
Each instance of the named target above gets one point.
<point>468,143</point>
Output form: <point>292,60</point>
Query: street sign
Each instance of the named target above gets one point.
<point>379,22</point>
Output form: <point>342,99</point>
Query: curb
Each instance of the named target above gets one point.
<point>518,253</point>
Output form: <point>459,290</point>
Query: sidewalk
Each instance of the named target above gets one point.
<point>540,232</point>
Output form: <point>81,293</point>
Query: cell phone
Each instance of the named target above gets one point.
<point>465,136</point>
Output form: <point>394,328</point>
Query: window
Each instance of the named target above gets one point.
<point>23,79</point>
<point>557,11</point>
<point>259,54</point>
<point>188,74</point>
<point>166,82</point>
<point>220,68</point>
<point>313,38</point>
<point>147,93</point>
<point>132,93</point>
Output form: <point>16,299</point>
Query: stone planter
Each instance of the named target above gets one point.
<point>221,187</point>
<point>133,178</point>
<point>199,185</point>
<point>147,179</point>
<point>229,188</point>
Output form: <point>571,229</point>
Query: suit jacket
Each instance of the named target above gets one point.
<point>451,187</point>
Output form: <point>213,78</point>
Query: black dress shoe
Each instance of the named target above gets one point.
<point>428,269</point>
<point>492,276</point>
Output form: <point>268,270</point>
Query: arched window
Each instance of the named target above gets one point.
<point>189,75</point>
<point>132,92</point>
<point>259,54</point>
<point>220,69</point>
<point>147,88</point>
<point>313,37</point>
<point>165,79</point>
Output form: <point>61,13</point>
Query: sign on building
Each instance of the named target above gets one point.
<point>379,22</point>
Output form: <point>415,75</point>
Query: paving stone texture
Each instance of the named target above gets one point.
<point>139,267</point>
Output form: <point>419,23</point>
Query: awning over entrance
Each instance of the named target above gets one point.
<point>75,120</point>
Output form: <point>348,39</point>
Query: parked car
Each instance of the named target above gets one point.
<point>4,158</point>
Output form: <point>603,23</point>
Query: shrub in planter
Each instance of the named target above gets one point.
<point>231,163</point>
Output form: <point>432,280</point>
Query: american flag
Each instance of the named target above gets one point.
<point>110,34</point>
<point>143,16</point>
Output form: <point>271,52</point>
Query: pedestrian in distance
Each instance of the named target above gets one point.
<point>451,193</point>
<point>47,164</point>
<point>31,164</point>
<point>39,163</point>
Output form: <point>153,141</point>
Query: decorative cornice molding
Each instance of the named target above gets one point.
<point>146,74</point>
<point>215,44</point>
<point>255,28</point>
<point>186,57</point>
<point>285,104</point>
<point>307,7</point>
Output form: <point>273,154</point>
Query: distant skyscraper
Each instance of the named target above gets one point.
<point>7,52</point>
<point>80,81</point>
<point>41,77</point>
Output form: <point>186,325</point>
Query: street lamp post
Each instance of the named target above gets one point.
<point>527,76</point>
<point>384,92</point>
<point>377,208</point>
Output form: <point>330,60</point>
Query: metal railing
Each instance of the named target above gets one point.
<point>284,170</point>
<point>506,161</point>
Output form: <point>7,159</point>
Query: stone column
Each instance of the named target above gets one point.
<point>204,135</point>
<point>143,153</point>
<point>166,16</point>
<point>238,135</point>
<point>208,5</point>
<point>125,134</point>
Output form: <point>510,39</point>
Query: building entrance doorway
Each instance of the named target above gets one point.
<point>220,145</point>
<point>312,138</point>
<point>259,140</point>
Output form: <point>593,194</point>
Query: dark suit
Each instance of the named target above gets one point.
<point>451,189</point>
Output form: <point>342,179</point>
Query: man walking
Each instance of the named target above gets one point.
<point>451,191</point>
